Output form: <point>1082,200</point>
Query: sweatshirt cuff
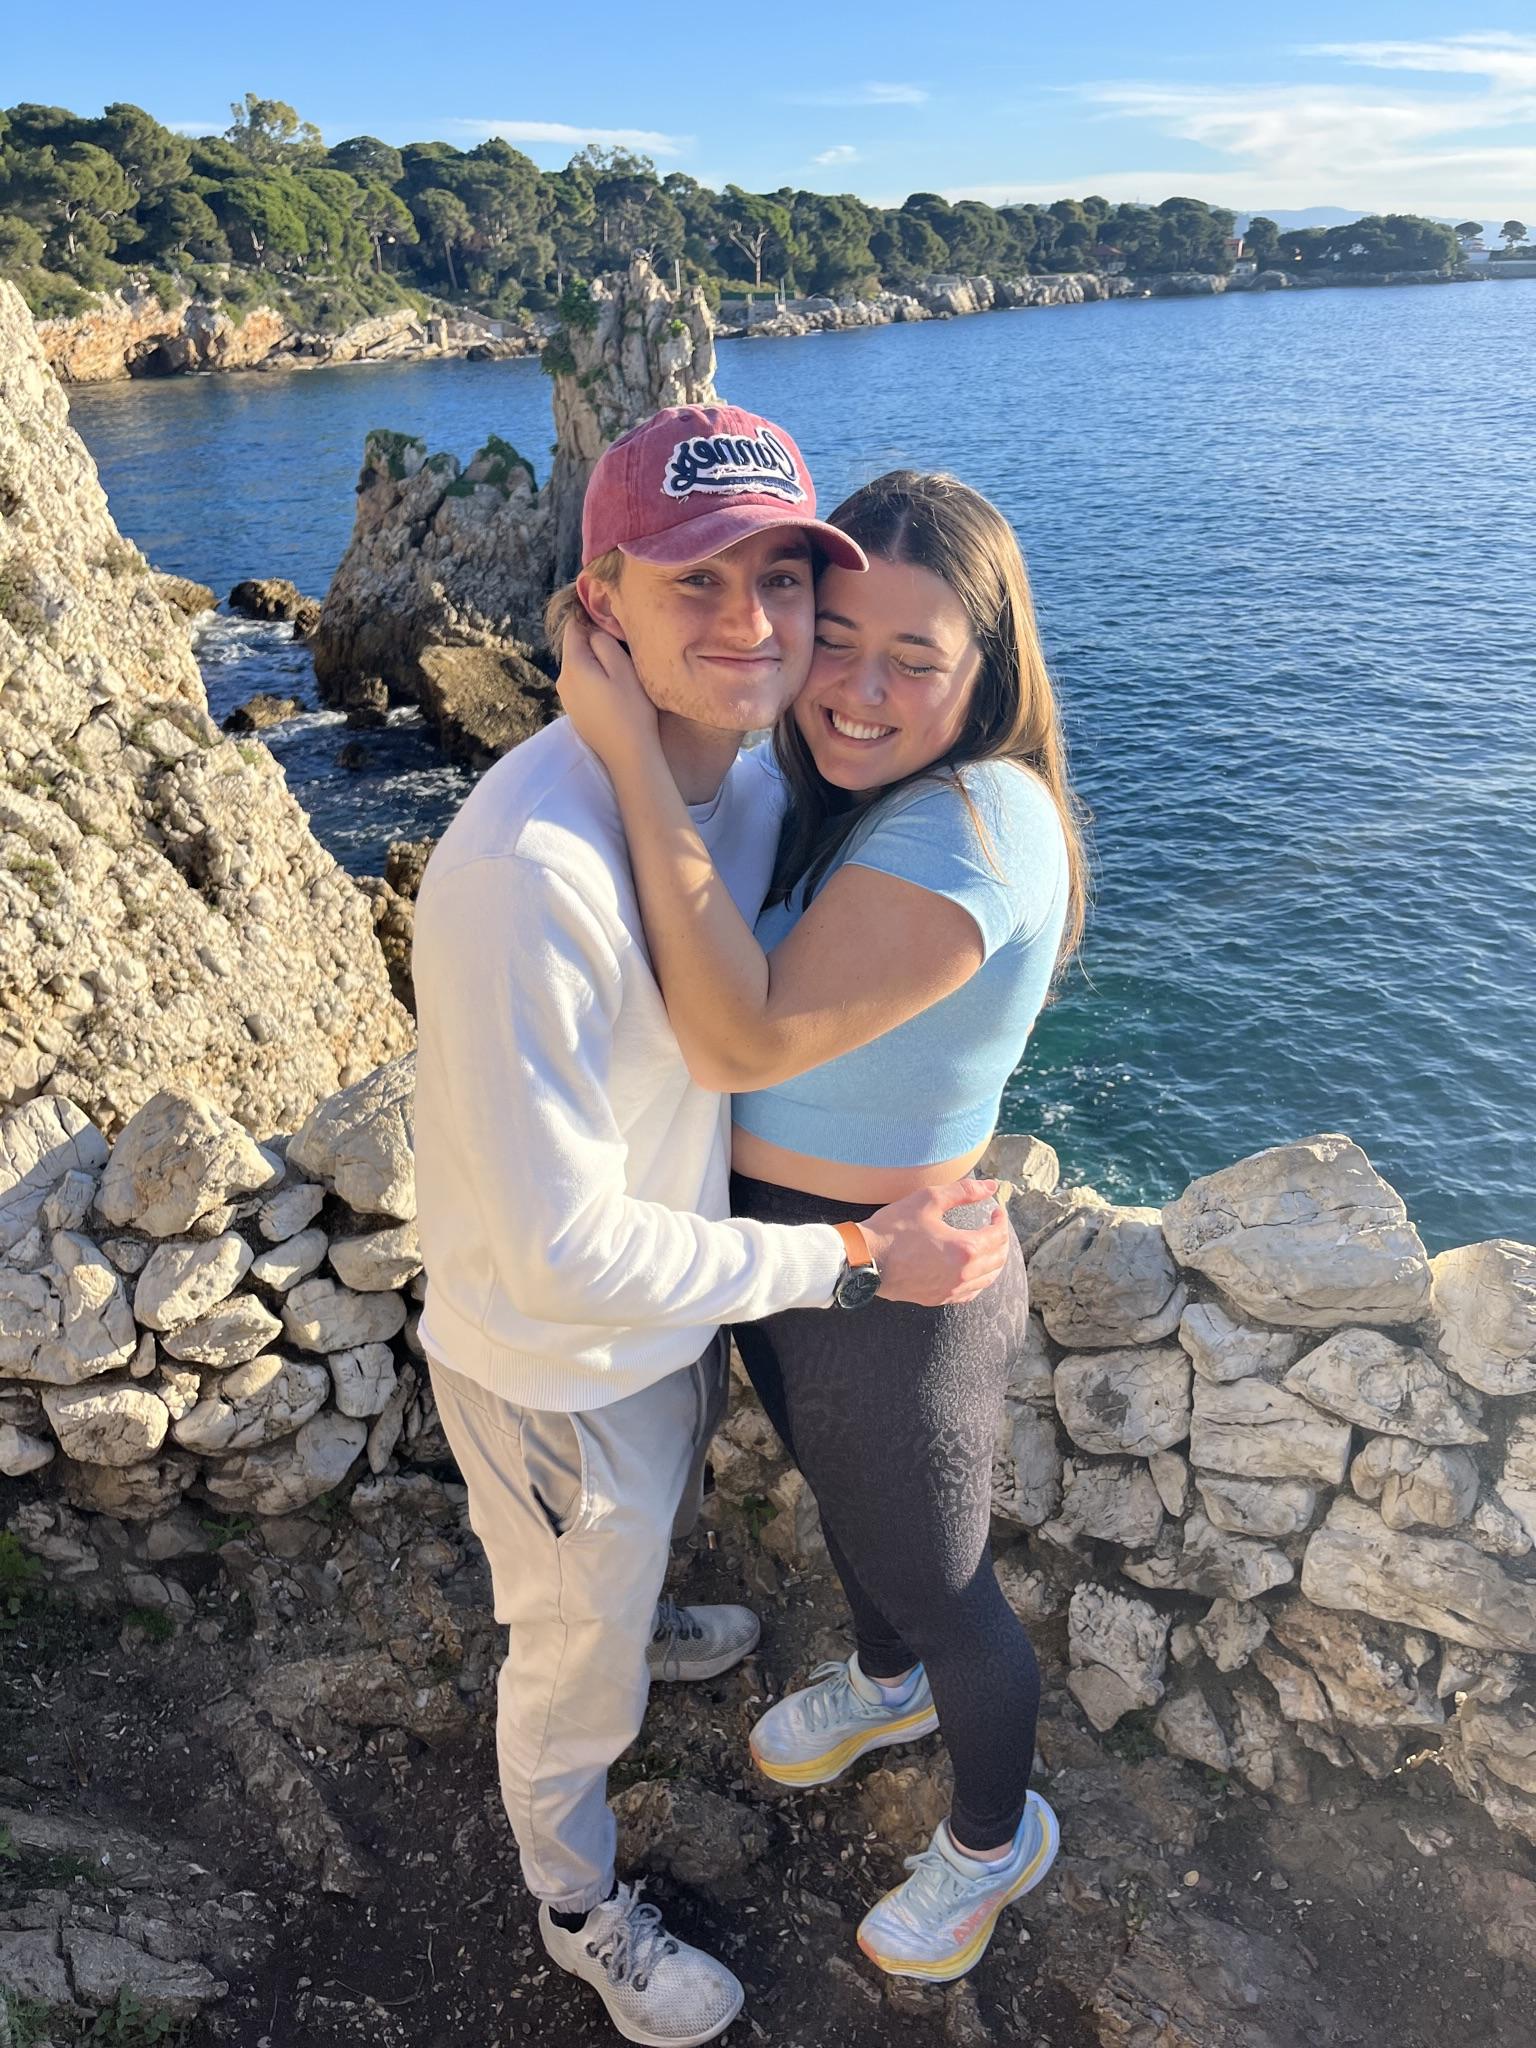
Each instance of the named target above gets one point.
<point>821,1263</point>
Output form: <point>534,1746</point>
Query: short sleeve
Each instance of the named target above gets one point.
<point>997,849</point>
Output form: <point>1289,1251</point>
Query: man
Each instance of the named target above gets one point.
<point>572,1177</point>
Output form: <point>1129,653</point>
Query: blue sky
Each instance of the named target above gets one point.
<point>1372,107</point>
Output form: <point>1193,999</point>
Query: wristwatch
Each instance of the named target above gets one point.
<point>859,1281</point>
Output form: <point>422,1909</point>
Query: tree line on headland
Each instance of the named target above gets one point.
<point>266,212</point>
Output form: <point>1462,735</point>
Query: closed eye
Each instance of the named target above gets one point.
<point>834,646</point>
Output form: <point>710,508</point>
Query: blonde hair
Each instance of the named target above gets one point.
<point>935,522</point>
<point>566,603</point>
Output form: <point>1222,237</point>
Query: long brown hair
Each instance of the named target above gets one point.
<point>935,522</point>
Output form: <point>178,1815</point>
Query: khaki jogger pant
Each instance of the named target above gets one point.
<point>575,1514</point>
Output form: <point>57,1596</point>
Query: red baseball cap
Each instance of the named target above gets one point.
<point>695,479</point>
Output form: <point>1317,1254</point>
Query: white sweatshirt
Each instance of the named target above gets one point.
<point>572,1179</point>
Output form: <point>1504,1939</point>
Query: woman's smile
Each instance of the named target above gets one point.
<point>856,731</point>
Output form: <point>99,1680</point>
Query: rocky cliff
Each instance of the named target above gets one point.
<point>441,592</point>
<point>132,334</point>
<point>165,913</point>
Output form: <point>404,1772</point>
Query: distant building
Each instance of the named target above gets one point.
<point>1475,250</point>
<point>1110,261</point>
<point>1244,267</point>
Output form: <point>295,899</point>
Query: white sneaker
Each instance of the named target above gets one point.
<point>813,1735</point>
<point>658,1990</point>
<point>699,1642</point>
<point>937,1925</point>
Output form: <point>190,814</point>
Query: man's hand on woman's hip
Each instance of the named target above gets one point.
<point>925,1260</point>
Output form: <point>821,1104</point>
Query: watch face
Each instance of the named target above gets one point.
<point>858,1286</point>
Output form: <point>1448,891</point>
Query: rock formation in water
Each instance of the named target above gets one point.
<point>441,592</point>
<point>166,915</point>
<point>131,334</point>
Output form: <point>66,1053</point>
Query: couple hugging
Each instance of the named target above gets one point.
<point>712,1038</point>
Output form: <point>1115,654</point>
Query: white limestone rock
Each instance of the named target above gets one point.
<point>364,1379</point>
<point>1485,1314</point>
<point>1034,1593</point>
<point>178,1158</point>
<point>69,1204</point>
<point>40,1142</point>
<point>1026,1466</point>
<point>1118,1648</point>
<point>130,1255</point>
<point>385,1431</point>
<point>1497,1529</point>
<point>1170,1475</point>
<point>141,1492</point>
<point>1414,1485</point>
<point>1373,1674</point>
<point>289,1474</point>
<point>1490,1752</point>
<point>1516,1485</point>
<point>1106,1280</point>
<point>1112,1499</point>
<point>1186,1726</point>
<point>1301,1697</point>
<point>115,1424</point>
<point>1029,1368</point>
<point>1222,1347</point>
<point>381,1260</point>
<point>231,1334</point>
<point>1306,1235</point>
<point>291,1260</point>
<point>30,1316</point>
<point>1134,1401</point>
<point>1357,1563</point>
<point>95,1329</point>
<point>1363,1376</point>
<point>1256,1431</point>
<point>358,1142</point>
<point>145,1357</point>
<point>1183,1643</point>
<point>182,1282</point>
<point>1230,1633</point>
<point>180,1389</point>
<point>21,1452</point>
<point>1022,1161</point>
<point>256,1403</point>
<point>1195,1557</point>
<point>1491,1676</point>
<point>1258,1507</point>
<point>322,1315</point>
<point>289,1211</point>
<point>1265,1752</point>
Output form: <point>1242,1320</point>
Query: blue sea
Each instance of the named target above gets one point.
<point>1284,551</point>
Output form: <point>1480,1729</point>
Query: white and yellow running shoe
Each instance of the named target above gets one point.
<point>937,1925</point>
<point>813,1735</point>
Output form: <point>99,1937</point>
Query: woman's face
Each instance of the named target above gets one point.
<point>891,677</point>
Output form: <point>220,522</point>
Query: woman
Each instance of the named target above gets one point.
<point>929,884</point>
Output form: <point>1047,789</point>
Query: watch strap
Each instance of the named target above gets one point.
<point>855,1244</point>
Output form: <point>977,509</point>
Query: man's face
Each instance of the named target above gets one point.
<point>726,642</point>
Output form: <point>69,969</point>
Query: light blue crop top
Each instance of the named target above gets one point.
<point>930,1089</point>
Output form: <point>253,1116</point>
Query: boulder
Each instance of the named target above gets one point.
<point>274,597</point>
<point>41,1141</point>
<point>129,1493</point>
<point>1355,1562</point>
<point>1111,1499</point>
<point>482,701</point>
<point>114,1424</point>
<point>183,595</point>
<point>21,1453</point>
<point>181,1282</point>
<point>364,1379</point>
<point>290,1211</point>
<point>1133,1401</point>
<point>1415,1485</point>
<point>1022,1162</point>
<point>1223,1347</point>
<point>232,1334</point>
<point>1306,1235</point>
<point>1485,1314</point>
<point>1257,1507</point>
<point>1105,1281</point>
<point>1265,1753</point>
<point>285,1265</point>
<point>1516,1487</point>
<point>267,1398</point>
<point>289,1474</point>
<point>1490,1752</point>
<point>358,1143</point>
<point>260,712</point>
<point>1026,1466</point>
<point>1195,1557</point>
<point>322,1315</point>
<point>95,1330</point>
<point>178,1158</point>
<point>1187,1727</point>
<point>1363,1376</point>
<point>1497,1529</point>
<point>1372,1673</point>
<point>1230,1633</point>
<point>383,1259</point>
<point>1118,1648</point>
<point>1256,1431</point>
<point>1170,1475</point>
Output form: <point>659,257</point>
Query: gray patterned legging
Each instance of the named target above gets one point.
<point>891,1412</point>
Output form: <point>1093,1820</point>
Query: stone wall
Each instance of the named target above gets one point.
<point>1275,1466</point>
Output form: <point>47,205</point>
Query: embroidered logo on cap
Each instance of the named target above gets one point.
<point>732,464</point>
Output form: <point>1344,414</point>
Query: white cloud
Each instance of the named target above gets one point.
<point>870,95</point>
<point>648,140</point>
<point>1301,145</point>
<point>839,153</point>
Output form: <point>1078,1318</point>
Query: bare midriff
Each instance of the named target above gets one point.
<point>877,1185</point>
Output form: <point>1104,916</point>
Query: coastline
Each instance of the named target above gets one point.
<point>131,335</point>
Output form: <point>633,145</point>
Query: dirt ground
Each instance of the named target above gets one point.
<point>297,1773</point>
